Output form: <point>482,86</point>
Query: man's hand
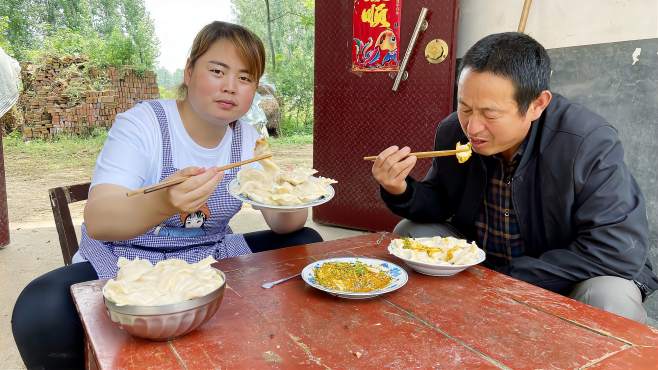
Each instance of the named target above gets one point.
<point>191,194</point>
<point>392,167</point>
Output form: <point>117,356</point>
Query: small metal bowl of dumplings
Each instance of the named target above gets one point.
<point>165,322</point>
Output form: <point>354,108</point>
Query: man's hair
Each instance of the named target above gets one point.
<point>515,56</point>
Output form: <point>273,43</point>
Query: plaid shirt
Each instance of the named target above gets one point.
<point>497,227</point>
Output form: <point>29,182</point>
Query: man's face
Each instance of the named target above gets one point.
<point>489,115</point>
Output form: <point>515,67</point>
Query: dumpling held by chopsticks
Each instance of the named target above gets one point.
<point>275,186</point>
<point>464,155</point>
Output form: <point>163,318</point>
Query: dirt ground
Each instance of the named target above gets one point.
<point>34,247</point>
<point>27,187</point>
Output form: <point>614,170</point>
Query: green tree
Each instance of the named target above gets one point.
<point>106,17</point>
<point>163,75</point>
<point>178,76</point>
<point>287,27</point>
<point>4,43</point>
<point>169,80</point>
<point>110,32</point>
<point>139,27</point>
<point>118,50</point>
<point>18,31</point>
<point>75,15</point>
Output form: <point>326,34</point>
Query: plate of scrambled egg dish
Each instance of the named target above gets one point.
<point>437,256</point>
<point>276,188</point>
<point>355,277</point>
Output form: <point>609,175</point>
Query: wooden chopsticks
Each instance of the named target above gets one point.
<point>436,153</point>
<point>178,180</point>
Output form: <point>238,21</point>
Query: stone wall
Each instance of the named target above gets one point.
<point>66,96</point>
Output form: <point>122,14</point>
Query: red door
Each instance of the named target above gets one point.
<point>360,115</point>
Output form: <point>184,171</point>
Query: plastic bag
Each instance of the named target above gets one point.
<point>9,81</point>
<point>256,116</point>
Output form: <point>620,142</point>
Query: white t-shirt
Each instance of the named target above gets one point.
<point>132,154</point>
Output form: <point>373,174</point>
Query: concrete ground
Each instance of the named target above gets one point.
<point>34,250</point>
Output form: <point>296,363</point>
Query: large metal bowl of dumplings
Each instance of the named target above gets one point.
<point>169,321</point>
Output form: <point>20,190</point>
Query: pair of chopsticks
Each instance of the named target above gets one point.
<point>436,153</point>
<point>178,180</point>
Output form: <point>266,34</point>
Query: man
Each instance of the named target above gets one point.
<point>546,193</point>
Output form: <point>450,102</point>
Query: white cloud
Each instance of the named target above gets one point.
<point>177,22</point>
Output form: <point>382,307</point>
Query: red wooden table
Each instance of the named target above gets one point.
<point>475,319</point>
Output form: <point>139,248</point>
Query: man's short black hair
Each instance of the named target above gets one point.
<point>515,56</point>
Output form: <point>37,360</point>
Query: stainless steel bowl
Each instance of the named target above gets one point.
<point>167,321</point>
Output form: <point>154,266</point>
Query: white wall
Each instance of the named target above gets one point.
<point>559,23</point>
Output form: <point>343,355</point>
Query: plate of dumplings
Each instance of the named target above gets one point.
<point>275,188</point>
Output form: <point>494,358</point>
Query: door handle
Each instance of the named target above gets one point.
<point>421,25</point>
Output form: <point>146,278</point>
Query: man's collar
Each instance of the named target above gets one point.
<point>530,141</point>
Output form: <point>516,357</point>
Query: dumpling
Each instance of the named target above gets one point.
<point>169,281</point>
<point>275,186</point>
<point>286,199</point>
<point>310,191</point>
<point>296,176</point>
<point>253,174</point>
<point>465,155</point>
<point>132,270</point>
<point>263,147</point>
<point>285,188</point>
<point>256,191</point>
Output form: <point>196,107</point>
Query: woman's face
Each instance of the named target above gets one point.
<point>219,88</point>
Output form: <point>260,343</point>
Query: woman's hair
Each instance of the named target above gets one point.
<point>249,47</point>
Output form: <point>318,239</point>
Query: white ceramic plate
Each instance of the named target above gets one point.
<point>439,270</point>
<point>234,185</point>
<point>398,274</point>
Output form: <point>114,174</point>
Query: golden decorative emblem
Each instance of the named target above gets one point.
<point>436,51</point>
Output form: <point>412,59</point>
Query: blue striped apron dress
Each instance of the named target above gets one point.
<point>171,239</point>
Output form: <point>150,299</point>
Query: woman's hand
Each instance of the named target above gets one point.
<point>111,215</point>
<point>391,168</point>
<point>191,194</point>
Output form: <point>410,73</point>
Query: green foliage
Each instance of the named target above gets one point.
<point>110,32</point>
<point>4,43</point>
<point>139,27</point>
<point>63,41</point>
<point>17,32</point>
<point>297,122</point>
<point>167,93</point>
<point>117,50</point>
<point>105,16</point>
<point>292,30</point>
<point>78,81</point>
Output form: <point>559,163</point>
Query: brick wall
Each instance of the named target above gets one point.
<point>66,96</point>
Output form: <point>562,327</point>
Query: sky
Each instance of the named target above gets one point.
<point>177,22</point>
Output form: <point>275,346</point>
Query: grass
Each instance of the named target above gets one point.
<point>61,153</point>
<point>292,140</point>
<point>74,152</point>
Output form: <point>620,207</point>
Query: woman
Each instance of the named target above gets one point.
<point>151,142</point>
